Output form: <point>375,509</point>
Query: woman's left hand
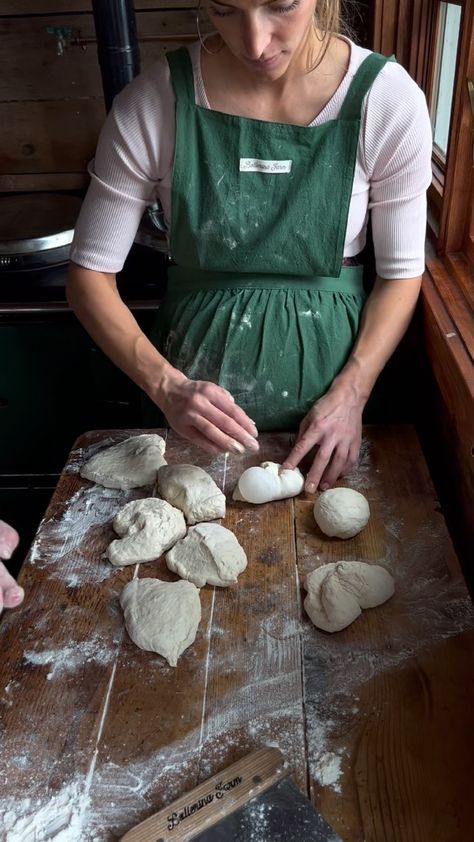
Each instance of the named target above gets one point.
<point>334,426</point>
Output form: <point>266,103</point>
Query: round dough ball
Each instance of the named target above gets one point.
<point>341,512</point>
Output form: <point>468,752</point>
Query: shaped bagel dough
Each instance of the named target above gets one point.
<point>210,554</point>
<point>161,616</point>
<point>264,483</point>
<point>337,592</point>
<point>341,512</point>
<point>192,490</point>
<point>128,464</point>
<point>147,528</point>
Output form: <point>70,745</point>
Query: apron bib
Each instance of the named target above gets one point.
<point>258,299</point>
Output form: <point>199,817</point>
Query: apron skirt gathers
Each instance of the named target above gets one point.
<point>259,300</point>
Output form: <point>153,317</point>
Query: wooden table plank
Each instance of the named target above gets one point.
<point>254,690</point>
<point>381,695</point>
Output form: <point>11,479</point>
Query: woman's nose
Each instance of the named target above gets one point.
<point>256,37</point>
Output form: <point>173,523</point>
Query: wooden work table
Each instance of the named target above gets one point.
<point>376,721</point>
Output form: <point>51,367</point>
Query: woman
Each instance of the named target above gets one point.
<point>266,145</point>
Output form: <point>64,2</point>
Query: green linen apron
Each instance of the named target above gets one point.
<point>258,299</point>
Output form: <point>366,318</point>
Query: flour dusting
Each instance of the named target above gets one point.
<point>88,510</point>
<point>59,819</point>
<point>69,658</point>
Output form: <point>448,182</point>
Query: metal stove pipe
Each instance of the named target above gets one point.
<point>117,45</point>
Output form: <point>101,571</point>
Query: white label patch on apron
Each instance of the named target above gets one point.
<point>258,165</point>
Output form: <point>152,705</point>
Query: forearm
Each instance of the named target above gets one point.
<point>385,318</point>
<point>96,302</point>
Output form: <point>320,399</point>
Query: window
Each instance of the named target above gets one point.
<point>442,98</point>
<point>435,43</point>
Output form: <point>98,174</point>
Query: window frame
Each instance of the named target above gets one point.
<point>408,29</point>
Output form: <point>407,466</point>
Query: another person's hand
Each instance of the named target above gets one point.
<point>11,594</point>
<point>334,427</point>
<point>206,414</point>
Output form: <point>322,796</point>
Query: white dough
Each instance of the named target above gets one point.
<point>341,512</point>
<point>337,592</point>
<point>210,554</point>
<point>128,464</point>
<point>147,528</point>
<point>192,490</point>
<point>264,483</point>
<point>161,616</point>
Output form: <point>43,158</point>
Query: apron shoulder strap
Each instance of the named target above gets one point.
<point>181,70</point>
<point>361,83</point>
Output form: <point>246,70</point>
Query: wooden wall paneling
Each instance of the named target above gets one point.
<point>44,7</point>
<point>50,137</point>
<point>52,105</point>
<point>404,32</point>
<point>45,75</point>
<point>34,182</point>
<point>32,70</point>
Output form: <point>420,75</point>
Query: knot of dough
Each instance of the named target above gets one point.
<point>266,482</point>
<point>337,592</point>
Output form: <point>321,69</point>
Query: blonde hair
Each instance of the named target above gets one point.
<point>327,16</point>
<point>326,21</point>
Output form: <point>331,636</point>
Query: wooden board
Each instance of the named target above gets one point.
<point>97,734</point>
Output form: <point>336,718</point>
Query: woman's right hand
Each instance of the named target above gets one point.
<point>206,414</point>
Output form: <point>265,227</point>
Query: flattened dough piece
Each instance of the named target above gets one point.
<point>161,616</point>
<point>337,592</point>
<point>147,528</point>
<point>210,554</point>
<point>192,490</point>
<point>128,464</point>
<point>264,483</point>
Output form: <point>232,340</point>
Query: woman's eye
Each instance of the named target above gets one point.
<point>283,9</point>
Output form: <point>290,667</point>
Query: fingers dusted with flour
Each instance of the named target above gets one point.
<point>11,594</point>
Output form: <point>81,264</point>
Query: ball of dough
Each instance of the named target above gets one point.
<point>337,592</point>
<point>341,512</point>
<point>161,616</point>
<point>128,464</point>
<point>147,528</point>
<point>210,554</point>
<point>265,482</point>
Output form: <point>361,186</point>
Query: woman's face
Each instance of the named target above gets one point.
<point>263,34</point>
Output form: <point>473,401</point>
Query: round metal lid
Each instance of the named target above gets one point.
<point>34,222</point>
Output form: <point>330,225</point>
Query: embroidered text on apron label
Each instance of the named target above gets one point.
<point>259,165</point>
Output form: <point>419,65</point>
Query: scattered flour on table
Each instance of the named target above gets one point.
<point>58,545</point>
<point>361,475</point>
<point>59,819</point>
<point>69,658</point>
